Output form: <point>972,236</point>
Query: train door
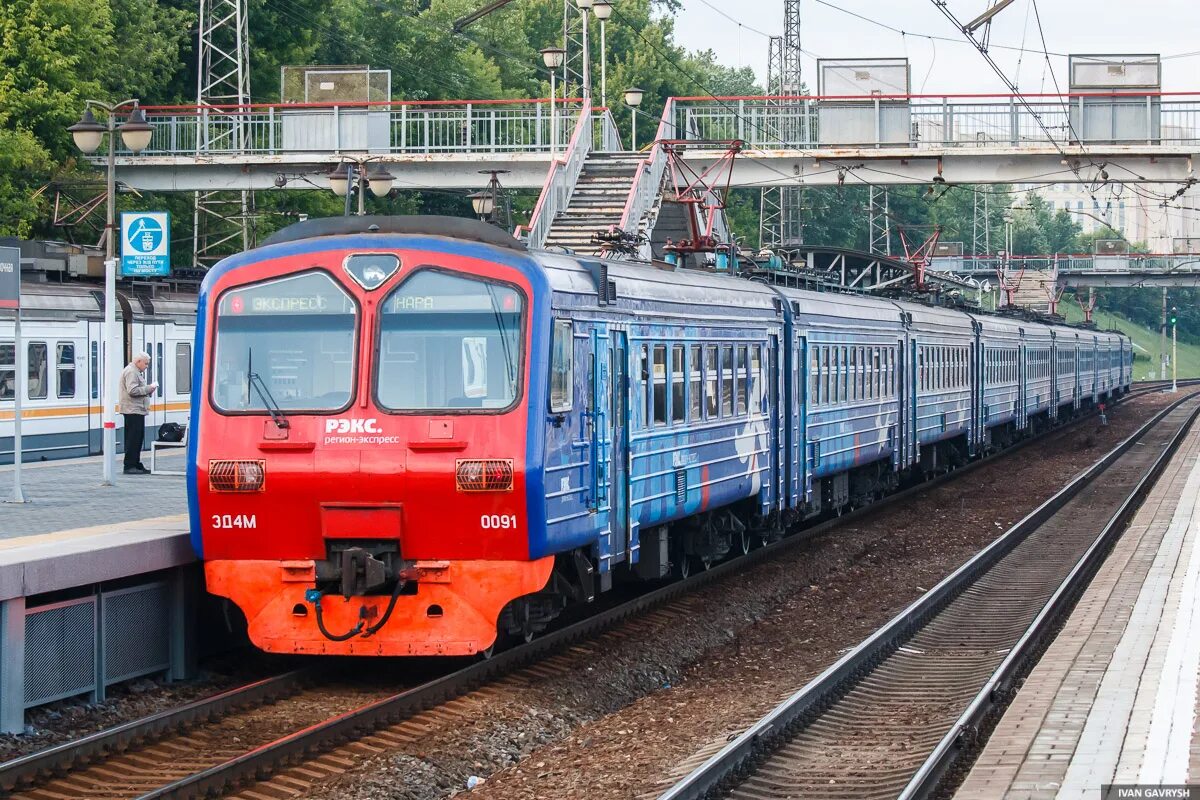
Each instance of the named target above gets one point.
<point>618,407</point>
<point>153,343</point>
<point>609,548</point>
<point>777,436</point>
<point>1022,388</point>
<point>906,387</point>
<point>95,380</point>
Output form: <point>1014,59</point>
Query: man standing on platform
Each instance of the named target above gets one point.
<point>135,405</point>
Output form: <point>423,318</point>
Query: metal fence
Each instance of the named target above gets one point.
<point>942,121</point>
<point>506,126</point>
<point>435,127</point>
<point>83,645</point>
<point>1120,263</point>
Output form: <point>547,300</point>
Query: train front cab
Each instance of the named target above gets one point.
<point>359,480</point>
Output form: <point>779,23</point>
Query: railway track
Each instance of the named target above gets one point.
<point>213,745</point>
<point>894,715</point>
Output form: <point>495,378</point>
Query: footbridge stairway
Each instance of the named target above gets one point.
<point>597,201</point>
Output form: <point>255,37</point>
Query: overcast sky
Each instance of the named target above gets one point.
<point>1166,27</point>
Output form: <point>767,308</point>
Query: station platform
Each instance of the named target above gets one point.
<point>1114,698</point>
<point>96,582</point>
<point>67,494</point>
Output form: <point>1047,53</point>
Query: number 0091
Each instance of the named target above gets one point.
<point>505,521</point>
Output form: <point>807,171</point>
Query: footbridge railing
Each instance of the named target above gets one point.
<point>940,121</point>
<point>401,127</point>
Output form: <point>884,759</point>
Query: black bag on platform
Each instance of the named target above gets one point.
<point>171,432</point>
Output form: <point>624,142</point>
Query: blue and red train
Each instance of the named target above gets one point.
<point>412,435</point>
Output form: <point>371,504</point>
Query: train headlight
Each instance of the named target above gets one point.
<point>236,476</point>
<point>484,474</point>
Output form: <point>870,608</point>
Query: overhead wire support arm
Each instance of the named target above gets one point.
<point>461,23</point>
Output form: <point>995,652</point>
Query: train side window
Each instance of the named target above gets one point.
<point>678,385</point>
<point>8,370</point>
<point>562,356</point>
<point>835,360</point>
<point>36,371</point>
<point>64,358</point>
<point>712,392</point>
<point>647,389</point>
<point>814,377</point>
<point>826,373</point>
<point>659,380</point>
<point>854,393</point>
<point>726,380</point>
<point>95,370</point>
<point>695,385</point>
<point>742,382</point>
<point>183,368</point>
<point>149,350</point>
<point>758,381</point>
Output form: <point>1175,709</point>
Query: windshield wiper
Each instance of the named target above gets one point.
<point>255,380</point>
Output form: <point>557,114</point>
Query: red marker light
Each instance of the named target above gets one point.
<point>484,474</point>
<point>237,305</point>
<point>509,303</point>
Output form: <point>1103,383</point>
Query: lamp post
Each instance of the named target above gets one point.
<point>553,57</point>
<point>633,99</point>
<point>356,175</point>
<point>88,134</point>
<point>585,6</point>
<point>603,10</point>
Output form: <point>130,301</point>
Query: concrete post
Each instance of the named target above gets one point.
<point>184,590</point>
<point>12,665</point>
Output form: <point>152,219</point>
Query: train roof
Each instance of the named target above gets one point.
<point>855,307</point>
<point>86,301</point>
<point>580,275</point>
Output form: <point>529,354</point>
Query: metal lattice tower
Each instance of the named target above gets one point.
<point>981,239</point>
<point>222,221</point>
<point>770,218</point>
<point>880,221</point>
<point>790,75</point>
<point>791,83</point>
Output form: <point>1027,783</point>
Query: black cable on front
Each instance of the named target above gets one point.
<point>387,613</point>
<point>355,631</point>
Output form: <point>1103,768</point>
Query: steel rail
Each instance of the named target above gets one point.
<point>738,758</point>
<point>79,752</point>
<point>30,769</point>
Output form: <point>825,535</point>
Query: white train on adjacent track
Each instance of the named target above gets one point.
<point>62,338</point>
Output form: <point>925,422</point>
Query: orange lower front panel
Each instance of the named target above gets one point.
<point>453,613</point>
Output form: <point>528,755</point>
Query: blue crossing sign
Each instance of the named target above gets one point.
<point>145,244</point>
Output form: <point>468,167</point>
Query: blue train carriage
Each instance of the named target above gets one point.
<point>1037,375</point>
<point>662,426</point>
<point>1089,352</point>
<point>938,429</point>
<point>1066,370</point>
<point>847,350</point>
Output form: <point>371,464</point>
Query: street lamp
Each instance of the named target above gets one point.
<point>379,182</point>
<point>88,135</point>
<point>633,99</point>
<point>584,6</point>
<point>603,10</point>
<point>553,57</point>
<point>486,204</point>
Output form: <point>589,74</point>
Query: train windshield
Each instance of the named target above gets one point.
<point>449,342</point>
<point>296,334</point>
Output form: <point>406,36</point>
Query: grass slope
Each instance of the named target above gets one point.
<point>1145,344</point>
